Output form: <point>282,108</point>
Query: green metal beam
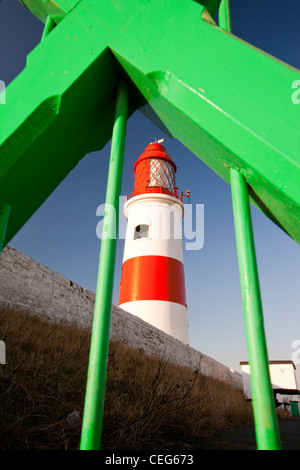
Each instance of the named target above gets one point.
<point>215,94</point>
<point>58,109</point>
<point>56,10</point>
<point>226,101</point>
<point>95,390</point>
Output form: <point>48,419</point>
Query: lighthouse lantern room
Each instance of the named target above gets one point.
<point>153,282</point>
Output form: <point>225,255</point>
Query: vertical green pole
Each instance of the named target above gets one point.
<point>49,25</point>
<point>265,420</point>
<point>4,216</point>
<point>224,15</point>
<point>266,425</point>
<point>95,390</point>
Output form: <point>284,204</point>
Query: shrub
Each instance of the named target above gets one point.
<point>149,403</point>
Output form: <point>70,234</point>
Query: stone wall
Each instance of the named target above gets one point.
<point>30,287</point>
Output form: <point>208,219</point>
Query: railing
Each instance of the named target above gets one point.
<point>152,189</point>
<point>161,190</point>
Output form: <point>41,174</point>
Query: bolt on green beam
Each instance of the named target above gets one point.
<point>95,390</point>
<point>266,425</point>
<point>4,216</point>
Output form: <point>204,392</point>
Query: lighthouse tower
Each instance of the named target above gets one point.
<point>152,282</point>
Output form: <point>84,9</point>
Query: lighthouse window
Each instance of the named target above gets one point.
<point>161,174</point>
<point>141,231</point>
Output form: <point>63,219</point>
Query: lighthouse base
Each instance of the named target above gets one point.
<point>169,317</point>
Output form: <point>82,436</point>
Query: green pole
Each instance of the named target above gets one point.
<point>4,216</point>
<point>266,425</point>
<point>95,390</point>
<point>265,420</point>
<point>224,15</point>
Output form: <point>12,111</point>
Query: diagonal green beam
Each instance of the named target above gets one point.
<point>60,8</point>
<point>57,10</point>
<point>225,100</point>
<point>59,108</point>
<point>215,94</point>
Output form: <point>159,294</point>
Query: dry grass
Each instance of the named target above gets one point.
<point>149,404</point>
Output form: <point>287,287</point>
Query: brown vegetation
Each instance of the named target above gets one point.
<point>149,404</point>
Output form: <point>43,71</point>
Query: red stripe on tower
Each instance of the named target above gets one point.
<point>164,280</point>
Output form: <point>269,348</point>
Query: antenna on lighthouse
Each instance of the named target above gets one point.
<point>160,141</point>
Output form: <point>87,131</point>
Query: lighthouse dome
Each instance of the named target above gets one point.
<point>155,172</point>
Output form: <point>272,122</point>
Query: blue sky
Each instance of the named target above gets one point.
<point>62,233</point>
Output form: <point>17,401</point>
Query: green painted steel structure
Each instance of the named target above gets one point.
<point>226,101</point>
<point>265,419</point>
<point>266,426</point>
<point>197,81</point>
<point>94,401</point>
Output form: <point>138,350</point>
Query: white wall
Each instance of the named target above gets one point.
<point>282,375</point>
<point>30,287</point>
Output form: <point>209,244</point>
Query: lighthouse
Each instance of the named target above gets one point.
<point>152,281</point>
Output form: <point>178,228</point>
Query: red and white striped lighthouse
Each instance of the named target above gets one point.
<point>152,282</point>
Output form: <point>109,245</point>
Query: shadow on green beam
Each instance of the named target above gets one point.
<point>61,131</point>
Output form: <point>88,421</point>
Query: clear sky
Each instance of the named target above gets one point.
<point>62,233</point>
